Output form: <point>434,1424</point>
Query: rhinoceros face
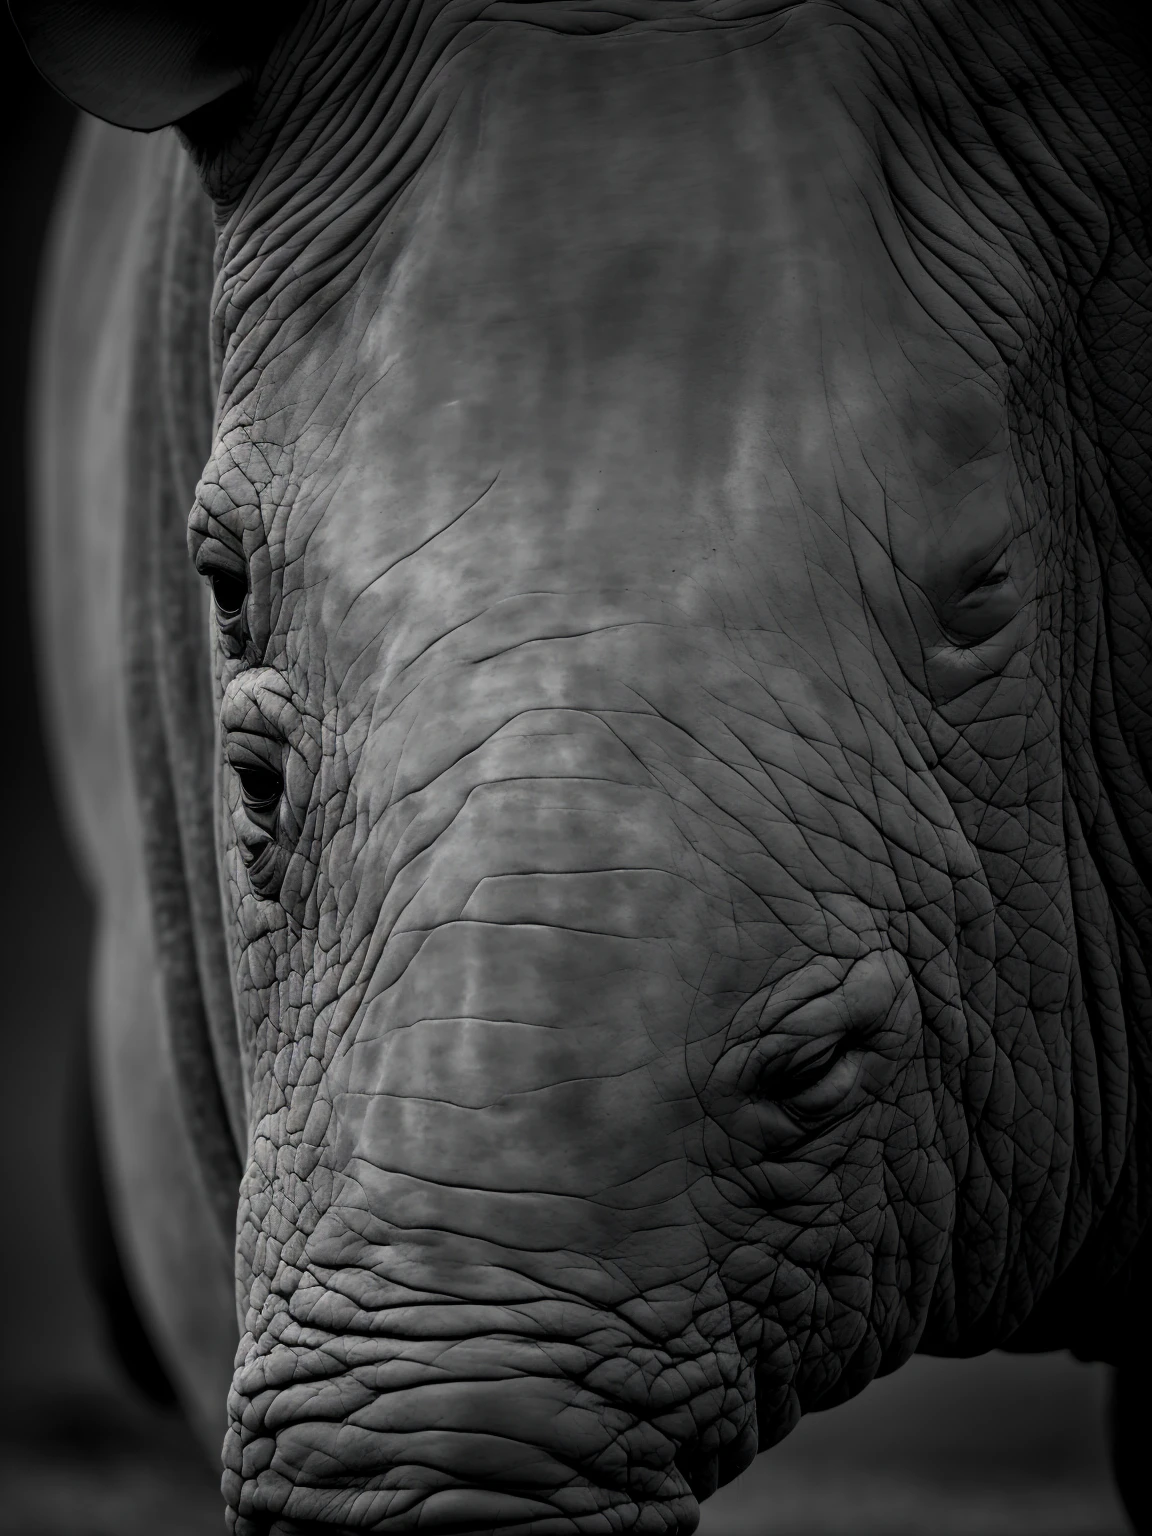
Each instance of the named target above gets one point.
<point>641,523</point>
<point>663,531</point>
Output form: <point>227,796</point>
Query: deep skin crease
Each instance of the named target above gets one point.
<point>675,526</point>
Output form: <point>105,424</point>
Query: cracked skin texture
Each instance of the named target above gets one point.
<point>675,515</point>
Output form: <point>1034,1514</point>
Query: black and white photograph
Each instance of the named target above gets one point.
<point>577,896</point>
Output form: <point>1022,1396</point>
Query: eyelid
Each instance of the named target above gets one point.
<point>819,1057</point>
<point>992,577</point>
<point>243,757</point>
<point>216,559</point>
<point>831,1087</point>
<point>776,1058</point>
<point>976,576</point>
<point>215,518</point>
<point>253,751</point>
<point>267,801</point>
<point>808,1061</point>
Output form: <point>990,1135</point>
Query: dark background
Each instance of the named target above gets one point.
<point>1004,1446</point>
<point>80,1454</point>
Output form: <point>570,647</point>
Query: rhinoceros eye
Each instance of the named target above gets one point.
<point>228,593</point>
<point>260,788</point>
<point>984,603</point>
<point>790,1080</point>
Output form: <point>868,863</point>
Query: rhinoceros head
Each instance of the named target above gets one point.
<point>676,529</point>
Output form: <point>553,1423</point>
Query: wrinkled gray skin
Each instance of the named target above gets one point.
<point>676,506</point>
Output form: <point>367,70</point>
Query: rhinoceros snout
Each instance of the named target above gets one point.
<point>440,1458</point>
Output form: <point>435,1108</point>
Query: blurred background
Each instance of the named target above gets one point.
<point>1003,1446</point>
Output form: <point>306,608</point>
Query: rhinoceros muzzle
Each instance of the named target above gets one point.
<point>451,1458</point>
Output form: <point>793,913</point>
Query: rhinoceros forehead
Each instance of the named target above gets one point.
<point>343,117</point>
<point>570,254</point>
<point>582,94</point>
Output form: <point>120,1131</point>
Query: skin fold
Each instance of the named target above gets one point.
<point>675,521</point>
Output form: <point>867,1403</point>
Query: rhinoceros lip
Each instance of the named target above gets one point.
<point>283,1473</point>
<point>310,1528</point>
<point>405,1525</point>
<point>506,1512</point>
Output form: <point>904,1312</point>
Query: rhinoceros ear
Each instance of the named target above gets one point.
<point>147,63</point>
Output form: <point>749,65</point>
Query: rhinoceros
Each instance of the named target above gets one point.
<point>596,574</point>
